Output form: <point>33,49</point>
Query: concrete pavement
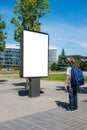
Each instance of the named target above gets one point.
<point>48,112</point>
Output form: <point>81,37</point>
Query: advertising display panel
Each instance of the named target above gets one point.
<point>34,54</point>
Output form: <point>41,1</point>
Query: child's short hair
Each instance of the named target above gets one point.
<point>71,60</point>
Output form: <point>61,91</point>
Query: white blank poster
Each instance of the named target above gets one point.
<point>35,54</point>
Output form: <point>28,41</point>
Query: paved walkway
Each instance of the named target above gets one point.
<point>48,112</point>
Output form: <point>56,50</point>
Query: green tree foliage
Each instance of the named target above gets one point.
<point>28,13</point>
<point>83,65</point>
<point>78,62</point>
<point>62,61</point>
<point>1,64</point>
<point>54,66</point>
<point>77,57</point>
<point>3,35</point>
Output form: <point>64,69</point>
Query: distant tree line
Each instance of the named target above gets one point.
<point>77,57</point>
<point>61,65</point>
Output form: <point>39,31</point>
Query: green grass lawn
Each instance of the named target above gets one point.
<point>59,77</point>
<point>55,77</point>
<point>9,72</point>
<point>51,77</point>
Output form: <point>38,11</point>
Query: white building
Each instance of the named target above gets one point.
<point>53,55</point>
<point>11,55</point>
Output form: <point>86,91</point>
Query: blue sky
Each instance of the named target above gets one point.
<point>66,24</point>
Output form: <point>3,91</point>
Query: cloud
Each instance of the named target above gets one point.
<point>67,33</point>
<point>83,45</point>
<point>69,37</point>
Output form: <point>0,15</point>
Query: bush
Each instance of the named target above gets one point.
<point>53,66</point>
<point>83,65</point>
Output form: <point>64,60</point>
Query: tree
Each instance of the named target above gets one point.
<point>28,13</point>
<point>3,35</point>
<point>83,65</point>
<point>54,66</point>
<point>62,61</point>
<point>1,64</point>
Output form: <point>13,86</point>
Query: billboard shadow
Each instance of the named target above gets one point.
<point>26,92</point>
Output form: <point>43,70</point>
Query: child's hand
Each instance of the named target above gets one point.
<point>65,87</point>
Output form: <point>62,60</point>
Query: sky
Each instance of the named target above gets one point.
<point>66,24</point>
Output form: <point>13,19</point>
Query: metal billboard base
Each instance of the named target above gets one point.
<point>34,89</point>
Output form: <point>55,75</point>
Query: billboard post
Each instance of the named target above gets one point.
<point>34,90</point>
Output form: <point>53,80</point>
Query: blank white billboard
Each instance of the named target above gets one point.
<point>34,54</point>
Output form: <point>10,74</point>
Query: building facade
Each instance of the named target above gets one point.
<point>53,55</point>
<point>11,56</point>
